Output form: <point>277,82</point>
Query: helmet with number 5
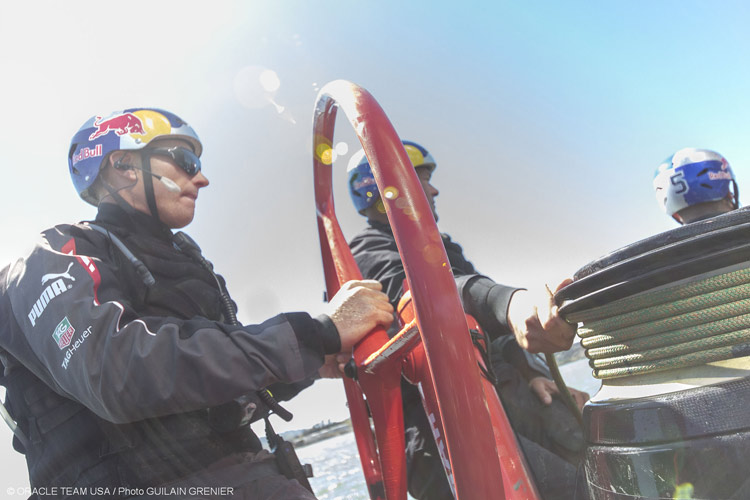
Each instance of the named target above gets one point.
<point>692,176</point>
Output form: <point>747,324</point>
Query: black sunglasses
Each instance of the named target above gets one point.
<point>182,157</point>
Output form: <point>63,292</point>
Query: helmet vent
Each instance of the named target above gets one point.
<point>702,172</point>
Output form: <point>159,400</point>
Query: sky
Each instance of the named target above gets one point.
<point>547,121</point>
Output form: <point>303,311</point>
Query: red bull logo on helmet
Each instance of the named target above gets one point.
<point>86,153</point>
<point>720,176</point>
<point>126,123</point>
<point>362,182</point>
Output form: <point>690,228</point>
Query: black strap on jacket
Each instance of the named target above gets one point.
<point>286,458</point>
<point>141,269</point>
<point>148,184</point>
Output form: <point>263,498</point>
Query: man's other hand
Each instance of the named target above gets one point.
<point>544,388</point>
<point>357,308</point>
<point>334,365</point>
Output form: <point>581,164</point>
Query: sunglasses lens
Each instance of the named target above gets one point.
<point>187,161</point>
<point>183,158</point>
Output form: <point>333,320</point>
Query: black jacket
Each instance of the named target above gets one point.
<point>101,368</point>
<point>377,256</point>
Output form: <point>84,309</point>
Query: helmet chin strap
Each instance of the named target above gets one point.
<point>148,185</point>
<point>736,200</point>
<point>118,198</point>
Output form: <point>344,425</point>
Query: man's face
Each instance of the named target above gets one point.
<point>176,208</point>
<point>430,191</point>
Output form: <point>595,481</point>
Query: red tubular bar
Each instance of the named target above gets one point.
<point>384,392</point>
<point>516,478</point>
<point>475,460</point>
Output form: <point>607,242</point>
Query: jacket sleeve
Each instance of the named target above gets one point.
<point>73,327</point>
<point>488,302</point>
<point>376,254</point>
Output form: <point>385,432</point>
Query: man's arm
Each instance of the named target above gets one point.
<point>487,302</point>
<point>125,368</point>
<point>377,257</point>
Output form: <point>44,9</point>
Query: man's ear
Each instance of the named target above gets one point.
<point>121,163</point>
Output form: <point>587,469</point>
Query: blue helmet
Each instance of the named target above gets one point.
<point>692,176</point>
<point>362,186</point>
<point>131,129</point>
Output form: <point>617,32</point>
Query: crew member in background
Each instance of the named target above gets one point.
<point>696,184</point>
<point>549,433</point>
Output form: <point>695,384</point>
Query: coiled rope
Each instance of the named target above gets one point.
<point>679,326</point>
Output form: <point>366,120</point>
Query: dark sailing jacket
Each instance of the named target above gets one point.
<point>377,257</point>
<point>111,379</point>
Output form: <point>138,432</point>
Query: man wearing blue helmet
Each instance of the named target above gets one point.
<point>549,433</point>
<point>125,366</point>
<point>695,184</point>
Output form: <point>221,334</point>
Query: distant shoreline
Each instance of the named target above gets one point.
<point>315,435</point>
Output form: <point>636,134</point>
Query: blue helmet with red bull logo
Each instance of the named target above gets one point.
<point>362,186</point>
<point>692,176</point>
<point>130,129</point>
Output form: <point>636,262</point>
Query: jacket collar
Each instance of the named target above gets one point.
<point>132,221</point>
<point>380,226</point>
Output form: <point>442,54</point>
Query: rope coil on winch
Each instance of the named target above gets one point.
<point>674,327</point>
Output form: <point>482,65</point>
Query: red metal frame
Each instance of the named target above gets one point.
<point>462,403</point>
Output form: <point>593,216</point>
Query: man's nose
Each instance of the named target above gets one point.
<point>200,180</point>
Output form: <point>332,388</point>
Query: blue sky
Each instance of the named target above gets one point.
<point>547,121</point>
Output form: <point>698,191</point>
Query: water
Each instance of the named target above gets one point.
<point>577,374</point>
<point>338,473</point>
<point>335,461</point>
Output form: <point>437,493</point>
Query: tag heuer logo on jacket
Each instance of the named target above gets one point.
<point>63,333</point>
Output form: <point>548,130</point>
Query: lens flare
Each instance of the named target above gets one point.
<point>325,153</point>
<point>269,80</point>
<point>255,87</point>
<point>432,254</point>
<point>249,89</point>
<point>341,148</point>
<point>390,193</point>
